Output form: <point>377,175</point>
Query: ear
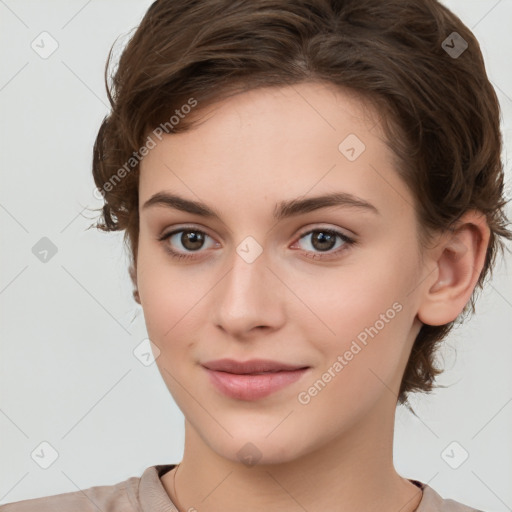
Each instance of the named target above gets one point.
<point>454,266</point>
<point>133,275</point>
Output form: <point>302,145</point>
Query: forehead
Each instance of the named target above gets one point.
<point>259,147</point>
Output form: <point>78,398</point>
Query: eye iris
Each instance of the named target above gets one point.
<point>192,240</point>
<point>323,240</point>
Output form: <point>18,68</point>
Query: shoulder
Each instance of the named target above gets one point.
<point>121,496</point>
<point>433,502</point>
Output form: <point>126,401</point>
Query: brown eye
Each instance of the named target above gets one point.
<point>182,243</point>
<point>324,241</point>
<point>192,240</point>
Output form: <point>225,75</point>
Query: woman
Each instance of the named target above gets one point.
<point>310,203</point>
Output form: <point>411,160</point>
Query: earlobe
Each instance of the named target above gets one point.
<point>457,262</point>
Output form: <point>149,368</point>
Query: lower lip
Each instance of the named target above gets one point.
<point>253,387</point>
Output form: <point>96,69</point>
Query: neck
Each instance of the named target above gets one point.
<point>352,472</point>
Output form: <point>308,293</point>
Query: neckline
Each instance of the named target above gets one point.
<point>162,469</point>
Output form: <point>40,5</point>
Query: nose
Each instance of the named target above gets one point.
<point>249,299</point>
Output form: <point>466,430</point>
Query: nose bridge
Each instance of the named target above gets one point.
<point>245,282</point>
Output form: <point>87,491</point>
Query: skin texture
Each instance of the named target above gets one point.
<point>251,152</point>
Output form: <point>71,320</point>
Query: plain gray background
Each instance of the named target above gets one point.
<point>69,325</point>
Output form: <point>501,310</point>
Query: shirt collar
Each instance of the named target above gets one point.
<point>154,498</point>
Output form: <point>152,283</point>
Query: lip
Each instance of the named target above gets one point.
<point>254,379</point>
<point>250,366</point>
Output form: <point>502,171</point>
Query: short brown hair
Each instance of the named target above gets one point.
<point>439,110</point>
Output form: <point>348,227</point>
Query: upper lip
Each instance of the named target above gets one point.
<point>251,366</point>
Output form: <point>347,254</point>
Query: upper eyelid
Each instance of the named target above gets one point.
<point>174,231</point>
<point>339,231</point>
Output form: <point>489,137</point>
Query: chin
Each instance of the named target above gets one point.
<point>255,447</point>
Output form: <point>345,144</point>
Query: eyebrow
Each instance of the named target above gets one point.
<point>284,209</point>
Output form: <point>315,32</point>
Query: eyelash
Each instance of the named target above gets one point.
<point>348,242</point>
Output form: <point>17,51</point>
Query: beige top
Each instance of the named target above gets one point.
<point>147,494</point>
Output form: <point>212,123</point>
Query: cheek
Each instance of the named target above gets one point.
<point>169,310</point>
<point>166,295</point>
<point>344,301</point>
<point>362,316</point>
<point>361,360</point>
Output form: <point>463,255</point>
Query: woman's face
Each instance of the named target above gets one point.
<point>334,289</point>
